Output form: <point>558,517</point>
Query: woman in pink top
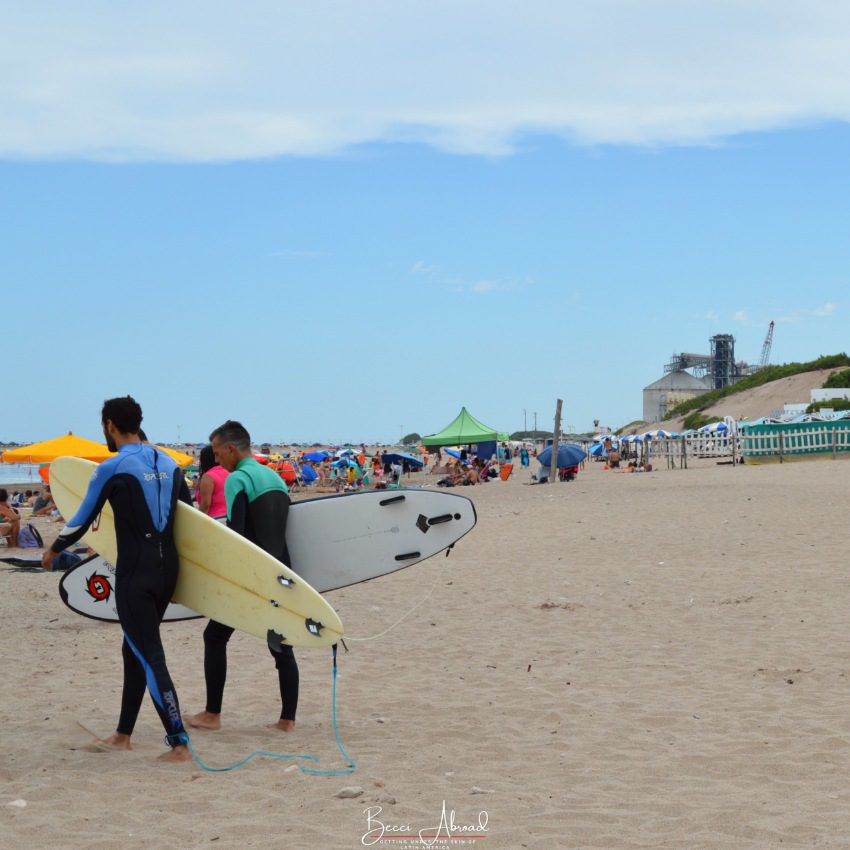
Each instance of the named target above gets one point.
<point>211,487</point>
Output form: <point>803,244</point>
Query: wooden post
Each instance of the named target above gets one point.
<point>553,462</point>
<point>832,436</point>
<point>734,439</point>
<point>781,445</point>
<point>684,464</point>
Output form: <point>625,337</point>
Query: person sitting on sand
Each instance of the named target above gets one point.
<point>10,522</point>
<point>43,504</point>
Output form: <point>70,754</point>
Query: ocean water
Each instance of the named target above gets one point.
<point>19,473</point>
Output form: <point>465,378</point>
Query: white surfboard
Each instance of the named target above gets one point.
<point>341,540</point>
<point>333,541</point>
<point>222,575</point>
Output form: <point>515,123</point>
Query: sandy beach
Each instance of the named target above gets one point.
<point>624,661</point>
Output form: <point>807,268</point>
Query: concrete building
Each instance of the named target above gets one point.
<point>672,389</point>
<point>830,393</point>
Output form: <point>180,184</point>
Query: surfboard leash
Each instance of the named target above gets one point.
<point>404,616</point>
<point>352,766</point>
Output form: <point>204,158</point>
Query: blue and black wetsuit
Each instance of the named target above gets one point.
<point>257,508</point>
<point>142,485</point>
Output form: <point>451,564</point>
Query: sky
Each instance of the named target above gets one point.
<point>342,222</point>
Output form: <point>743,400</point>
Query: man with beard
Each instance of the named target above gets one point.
<point>142,486</point>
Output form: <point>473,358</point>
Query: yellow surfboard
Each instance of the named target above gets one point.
<point>222,575</point>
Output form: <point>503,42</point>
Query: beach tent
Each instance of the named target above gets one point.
<point>462,431</point>
<point>67,446</point>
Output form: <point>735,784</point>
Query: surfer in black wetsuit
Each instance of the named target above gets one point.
<point>257,508</point>
<point>142,485</point>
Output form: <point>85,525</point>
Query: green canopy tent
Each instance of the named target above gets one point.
<point>465,429</point>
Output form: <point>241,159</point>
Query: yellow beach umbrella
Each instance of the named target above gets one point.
<point>181,458</point>
<point>69,445</point>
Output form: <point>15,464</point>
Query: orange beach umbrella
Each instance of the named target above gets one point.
<point>69,445</point>
<point>181,458</point>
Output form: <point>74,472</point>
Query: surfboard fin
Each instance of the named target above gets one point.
<point>313,627</point>
<point>275,640</point>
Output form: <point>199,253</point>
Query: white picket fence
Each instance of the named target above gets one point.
<point>788,442</point>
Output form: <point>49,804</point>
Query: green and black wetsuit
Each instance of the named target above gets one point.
<point>257,508</point>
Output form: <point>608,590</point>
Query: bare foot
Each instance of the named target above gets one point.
<point>205,720</point>
<point>176,755</point>
<point>116,741</point>
<point>284,725</point>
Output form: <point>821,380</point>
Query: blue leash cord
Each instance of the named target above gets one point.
<point>184,738</point>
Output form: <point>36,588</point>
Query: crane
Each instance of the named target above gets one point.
<point>765,349</point>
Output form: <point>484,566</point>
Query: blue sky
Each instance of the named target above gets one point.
<point>450,207</point>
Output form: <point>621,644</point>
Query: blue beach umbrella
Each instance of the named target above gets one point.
<point>316,457</point>
<point>569,454</point>
<point>712,428</point>
<point>402,458</point>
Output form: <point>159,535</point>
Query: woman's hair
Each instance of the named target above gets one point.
<point>4,494</point>
<point>207,459</point>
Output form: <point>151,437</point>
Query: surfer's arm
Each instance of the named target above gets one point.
<point>239,513</point>
<point>90,507</point>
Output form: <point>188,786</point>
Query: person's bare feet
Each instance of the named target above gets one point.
<point>205,720</point>
<point>116,741</point>
<point>284,725</point>
<point>176,755</point>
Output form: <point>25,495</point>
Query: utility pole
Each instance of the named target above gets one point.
<point>553,463</point>
<point>535,424</point>
<point>524,423</point>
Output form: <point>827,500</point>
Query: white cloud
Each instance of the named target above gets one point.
<point>482,287</point>
<point>421,267</point>
<point>203,82</point>
<point>711,316</point>
<point>827,310</point>
<point>453,282</point>
<point>740,316</point>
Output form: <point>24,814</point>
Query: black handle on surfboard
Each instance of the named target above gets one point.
<point>392,501</point>
<point>407,556</point>
<point>436,520</point>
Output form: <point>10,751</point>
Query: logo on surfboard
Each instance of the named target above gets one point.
<point>99,587</point>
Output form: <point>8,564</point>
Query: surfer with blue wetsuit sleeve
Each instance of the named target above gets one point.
<point>142,485</point>
<point>257,508</point>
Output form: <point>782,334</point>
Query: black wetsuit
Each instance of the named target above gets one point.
<point>257,508</point>
<point>142,486</point>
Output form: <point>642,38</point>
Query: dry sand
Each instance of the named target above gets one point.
<point>626,661</point>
